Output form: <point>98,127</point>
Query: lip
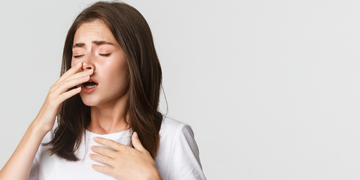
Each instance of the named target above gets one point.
<point>93,80</point>
<point>89,90</point>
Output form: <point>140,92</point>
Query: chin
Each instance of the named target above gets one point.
<point>89,101</point>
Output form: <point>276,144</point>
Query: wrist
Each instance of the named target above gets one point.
<point>155,175</point>
<point>38,128</point>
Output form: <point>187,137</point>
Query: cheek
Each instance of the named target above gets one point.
<point>119,75</point>
<point>74,62</point>
<point>117,67</point>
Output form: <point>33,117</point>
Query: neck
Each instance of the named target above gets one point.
<point>109,118</point>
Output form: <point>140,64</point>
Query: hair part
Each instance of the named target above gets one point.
<point>133,34</point>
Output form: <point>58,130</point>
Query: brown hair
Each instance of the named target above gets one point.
<point>133,34</point>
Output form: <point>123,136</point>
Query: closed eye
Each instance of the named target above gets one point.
<point>106,55</point>
<point>77,56</point>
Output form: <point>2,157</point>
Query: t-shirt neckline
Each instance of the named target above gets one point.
<point>124,133</point>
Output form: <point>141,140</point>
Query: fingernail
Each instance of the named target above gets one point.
<point>136,135</point>
<point>90,71</point>
<point>79,64</point>
<point>95,138</point>
<point>86,77</point>
<point>79,89</point>
<point>92,147</point>
<point>91,155</point>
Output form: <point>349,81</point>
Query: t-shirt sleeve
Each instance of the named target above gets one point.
<point>185,161</point>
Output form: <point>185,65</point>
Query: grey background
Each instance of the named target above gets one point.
<point>271,88</point>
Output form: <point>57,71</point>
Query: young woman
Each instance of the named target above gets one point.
<point>100,120</point>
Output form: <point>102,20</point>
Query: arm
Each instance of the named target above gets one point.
<point>19,165</point>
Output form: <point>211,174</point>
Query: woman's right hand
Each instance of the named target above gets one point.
<point>58,93</point>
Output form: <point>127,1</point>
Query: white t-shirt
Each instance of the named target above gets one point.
<point>177,158</point>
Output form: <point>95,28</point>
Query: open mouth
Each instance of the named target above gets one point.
<point>90,84</point>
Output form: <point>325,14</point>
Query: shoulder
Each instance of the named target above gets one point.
<point>176,138</point>
<point>172,128</point>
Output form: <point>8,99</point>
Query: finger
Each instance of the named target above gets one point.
<point>66,85</point>
<point>84,74</point>
<point>109,143</point>
<point>103,169</point>
<point>137,143</point>
<point>103,151</point>
<point>80,74</point>
<point>62,97</point>
<point>71,71</point>
<point>103,159</point>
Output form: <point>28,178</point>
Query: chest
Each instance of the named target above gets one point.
<point>55,168</point>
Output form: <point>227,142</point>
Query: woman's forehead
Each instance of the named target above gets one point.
<point>95,31</point>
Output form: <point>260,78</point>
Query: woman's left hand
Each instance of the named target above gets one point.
<point>126,162</point>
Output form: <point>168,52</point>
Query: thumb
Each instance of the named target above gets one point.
<point>136,142</point>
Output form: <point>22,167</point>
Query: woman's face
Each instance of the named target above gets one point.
<point>95,46</point>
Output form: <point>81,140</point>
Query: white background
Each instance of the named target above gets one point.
<point>271,88</point>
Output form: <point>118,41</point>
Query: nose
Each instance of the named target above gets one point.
<point>87,64</point>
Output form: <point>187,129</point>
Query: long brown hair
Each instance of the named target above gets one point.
<point>133,34</point>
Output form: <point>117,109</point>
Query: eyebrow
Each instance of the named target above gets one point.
<point>94,42</point>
